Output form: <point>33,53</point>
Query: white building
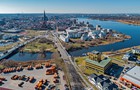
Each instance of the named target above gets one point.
<point>97,34</point>
<point>135,51</point>
<point>98,27</point>
<point>64,38</point>
<point>84,32</point>
<point>129,56</point>
<point>85,37</point>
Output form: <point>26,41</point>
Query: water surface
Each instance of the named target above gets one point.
<point>132,30</point>
<point>30,56</point>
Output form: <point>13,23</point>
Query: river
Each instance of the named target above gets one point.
<point>30,56</point>
<point>132,30</point>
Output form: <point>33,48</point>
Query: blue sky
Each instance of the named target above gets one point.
<point>70,6</point>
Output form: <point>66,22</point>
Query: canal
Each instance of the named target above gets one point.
<point>132,30</point>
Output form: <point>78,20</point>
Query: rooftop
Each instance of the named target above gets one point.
<point>133,75</point>
<point>93,75</point>
<point>138,49</point>
<point>102,63</point>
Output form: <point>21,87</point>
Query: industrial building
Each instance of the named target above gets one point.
<point>132,77</point>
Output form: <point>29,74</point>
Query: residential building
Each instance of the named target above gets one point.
<point>64,38</point>
<point>129,56</point>
<point>85,31</point>
<point>85,36</point>
<point>135,51</point>
<point>92,78</point>
<point>98,27</point>
<point>138,62</point>
<point>102,82</point>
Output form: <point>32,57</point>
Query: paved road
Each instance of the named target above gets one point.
<point>75,80</point>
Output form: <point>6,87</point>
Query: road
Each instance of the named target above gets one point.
<point>76,79</point>
<point>10,51</point>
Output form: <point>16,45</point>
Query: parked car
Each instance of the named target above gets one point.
<point>51,87</point>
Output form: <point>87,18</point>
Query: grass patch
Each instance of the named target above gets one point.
<point>79,60</point>
<point>7,47</point>
<point>119,57</point>
<point>138,57</point>
<point>1,67</point>
<point>33,33</point>
<point>37,46</point>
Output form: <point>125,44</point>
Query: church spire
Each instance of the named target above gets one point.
<point>45,19</point>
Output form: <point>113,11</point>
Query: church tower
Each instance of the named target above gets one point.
<point>45,20</point>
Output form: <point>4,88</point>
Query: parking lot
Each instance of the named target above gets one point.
<point>38,74</point>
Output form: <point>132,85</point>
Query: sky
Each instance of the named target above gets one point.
<point>70,6</point>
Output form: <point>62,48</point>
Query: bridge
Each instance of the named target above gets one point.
<point>15,48</point>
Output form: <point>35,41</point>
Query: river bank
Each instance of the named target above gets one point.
<point>79,44</point>
<point>126,29</point>
<point>121,51</point>
<point>130,22</point>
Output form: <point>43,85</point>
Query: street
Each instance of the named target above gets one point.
<point>75,79</point>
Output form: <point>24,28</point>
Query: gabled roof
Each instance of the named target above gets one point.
<point>137,49</point>
<point>112,87</point>
<point>98,79</point>
<point>93,76</point>
<point>103,77</point>
<point>106,83</point>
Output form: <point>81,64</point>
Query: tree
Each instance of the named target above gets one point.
<point>10,63</point>
<point>58,60</point>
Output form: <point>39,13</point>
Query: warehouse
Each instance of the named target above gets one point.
<point>132,77</point>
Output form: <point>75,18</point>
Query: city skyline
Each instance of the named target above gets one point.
<point>72,6</point>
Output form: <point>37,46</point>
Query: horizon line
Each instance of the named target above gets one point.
<point>65,13</point>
